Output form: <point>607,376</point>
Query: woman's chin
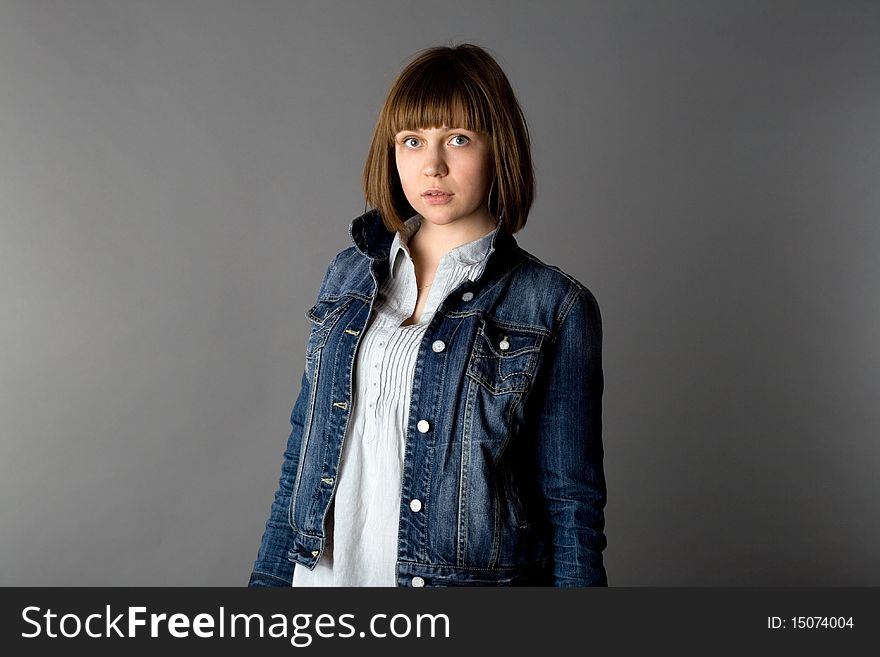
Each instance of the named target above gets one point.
<point>445,216</point>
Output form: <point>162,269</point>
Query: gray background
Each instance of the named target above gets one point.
<point>175,176</point>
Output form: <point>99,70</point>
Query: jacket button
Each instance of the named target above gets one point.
<point>438,345</point>
<point>418,581</point>
<point>504,345</point>
<point>467,296</point>
<point>415,505</point>
<point>423,426</point>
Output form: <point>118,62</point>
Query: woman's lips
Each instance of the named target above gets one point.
<point>437,199</point>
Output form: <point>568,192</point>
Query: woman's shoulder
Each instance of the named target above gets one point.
<point>348,256</point>
<point>541,296</point>
<point>345,273</point>
<point>535,272</point>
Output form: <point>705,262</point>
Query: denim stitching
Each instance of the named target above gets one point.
<point>304,442</point>
<point>461,539</point>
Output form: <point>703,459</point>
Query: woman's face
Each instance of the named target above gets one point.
<point>451,160</point>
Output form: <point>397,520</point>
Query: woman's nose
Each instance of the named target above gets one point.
<point>434,164</point>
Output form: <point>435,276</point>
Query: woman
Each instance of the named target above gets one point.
<point>448,427</point>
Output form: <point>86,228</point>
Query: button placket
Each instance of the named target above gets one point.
<point>374,388</point>
<point>376,370</point>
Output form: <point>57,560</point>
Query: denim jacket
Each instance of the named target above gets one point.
<point>503,480</point>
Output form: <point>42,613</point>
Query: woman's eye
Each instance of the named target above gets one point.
<point>457,140</point>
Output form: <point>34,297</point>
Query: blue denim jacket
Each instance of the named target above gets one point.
<point>503,446</point>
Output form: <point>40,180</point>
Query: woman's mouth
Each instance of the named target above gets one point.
<point>436,197</point>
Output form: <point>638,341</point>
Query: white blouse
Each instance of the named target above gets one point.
<point>362,522</point>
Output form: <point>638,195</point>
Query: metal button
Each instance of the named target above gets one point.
<point>438,345</point>
<point>504,345</point>
<point>467,296</point>
<point>423,426</point>
<point>415,505</point>
<point>314,553</point>
<point>418,581</point>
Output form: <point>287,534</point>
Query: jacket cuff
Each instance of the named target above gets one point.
<point>271,575</point>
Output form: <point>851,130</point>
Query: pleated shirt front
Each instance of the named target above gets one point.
<point>362,521</point>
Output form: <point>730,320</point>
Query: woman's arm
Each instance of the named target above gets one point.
<point>569,454</point>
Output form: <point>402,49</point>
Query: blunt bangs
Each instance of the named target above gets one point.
<point>436,97</point>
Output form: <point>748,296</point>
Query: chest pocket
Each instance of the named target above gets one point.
<point>323,317</point>
<point>504,359</point>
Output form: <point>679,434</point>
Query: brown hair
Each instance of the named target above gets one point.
<point>459,87</point>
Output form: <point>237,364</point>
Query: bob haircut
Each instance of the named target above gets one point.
<point>455,87</point>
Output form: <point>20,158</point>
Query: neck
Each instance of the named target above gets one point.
<point>431,241</point>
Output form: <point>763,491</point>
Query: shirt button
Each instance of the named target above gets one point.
<point>423,426</point>
<point>438,345</point>
<point>418,581</point>
<point>467,296</point>
<point>415,505</point>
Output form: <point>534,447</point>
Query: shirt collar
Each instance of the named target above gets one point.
<point>471,253</point>
<point>401,239</point>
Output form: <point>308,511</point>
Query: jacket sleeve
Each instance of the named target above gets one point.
<point>568,442</point>
<point>272,567</point>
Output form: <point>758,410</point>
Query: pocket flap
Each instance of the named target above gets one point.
<point>324,309</point>
<point>503,358</point>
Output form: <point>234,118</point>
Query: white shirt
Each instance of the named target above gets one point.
<point>362,521</point>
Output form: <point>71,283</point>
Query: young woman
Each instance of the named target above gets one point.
<point>448,427</point>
